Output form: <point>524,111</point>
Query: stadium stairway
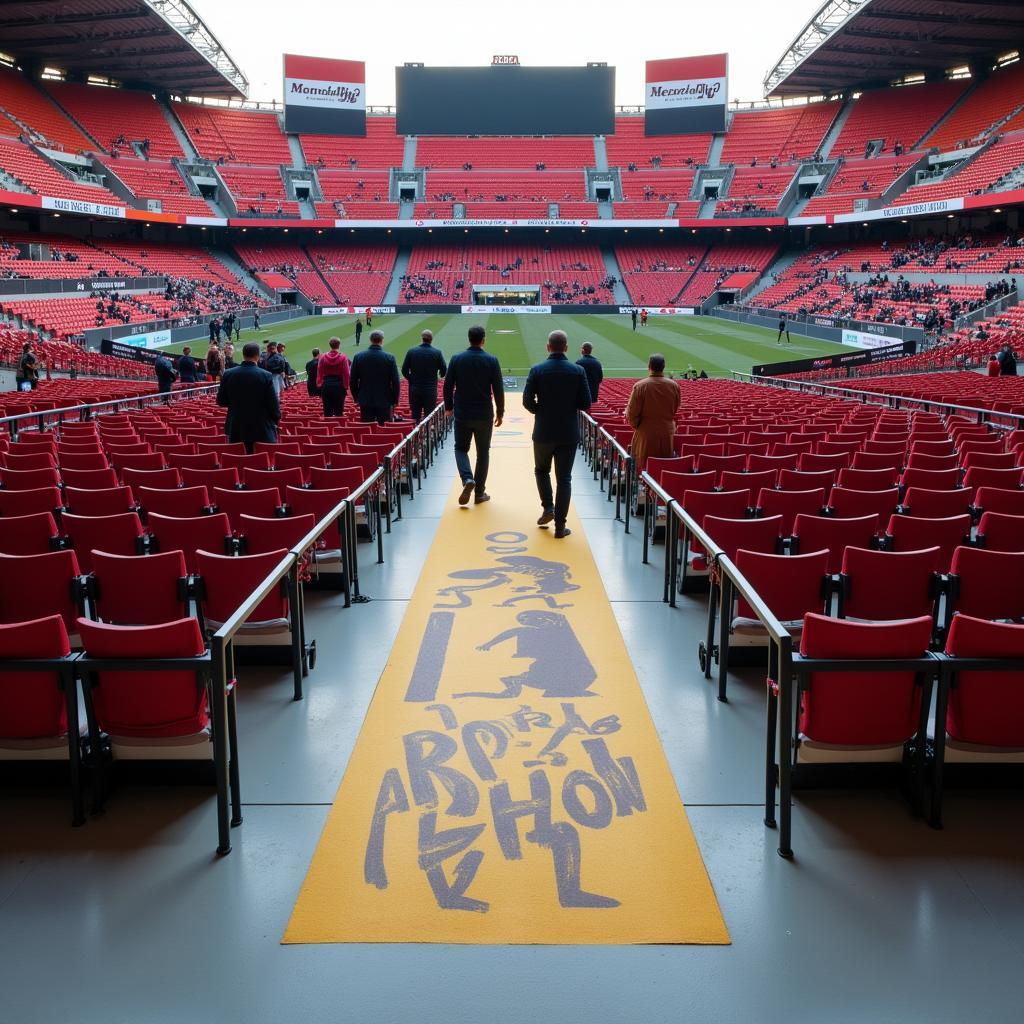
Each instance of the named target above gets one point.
<point>779,267</point>
<point>611,264</point>
<point>715,153</point>
<point>298,160</point>
<point>78,124</point>
<point>836,130</point>
<point>241,272</point>
<point>600,156</point>
<point>394,290</point>
<point>178,129</point>
<point>409,154</point>
<point>923,141</point>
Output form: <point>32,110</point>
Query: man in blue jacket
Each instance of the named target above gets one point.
<point>473,377</point>
<point>374,381</point>
<point>248,394</point>
<point>556,390</point>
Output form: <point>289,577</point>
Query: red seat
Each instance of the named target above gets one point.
<point>798,480</point>
<point>827,533</point>
<point>139,591</point>
<point>319,503</point>
<point>181,502</point>
<point>263,535</point>
<point>888,584</point>
<point>758,463</point>
<point>32,704</point>
<point>333,479</point>
<point>868,479</point>
<point>847,504</point>
<point>989,460</point>
<point>1005,479</point>
<point>204,460</point>
<point>26,503</point>
<point>160,479</point>
<point>999,532</point>
<point>119,535</point>
<point>991,499</point>
<point>870,460</point>
<point>987,584</point>
<point>29,479</point>
<point>808,463</point>
<point>675,464</point>
<point>724,504</point>
<point>109,501</point>
<point>32,534</point>
<point>234,504</point>
<point>932,479</point>
<point>37,460</point>
<point>211,478</point>
<point>790,585</point>
<point>227,583</point>
<point>730,535</point>
<point>201,533</point>
<point>752,482</point>
<point>925,504</point>
<point>35,586</point>
<point>720,463</point>
<point>258,479</point>
<point>676,485</point>
<point>932,462</point>
<point>258,460</point>
<point>790,504</point>
<point>90,479</point>
<point>909,533</point>
<point>285,461</point>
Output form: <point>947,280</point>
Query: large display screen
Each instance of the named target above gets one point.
<point>505,100</point>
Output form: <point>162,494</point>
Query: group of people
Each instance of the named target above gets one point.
<point>1003,364</point>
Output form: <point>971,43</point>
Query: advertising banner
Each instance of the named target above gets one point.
<point>660,310</point>
<point>323,96</point>
<point>79,206</point>
<point>858,339</point>
<point>850,359</point>
<point>687,95</point>
<point>506,309</point>
<point>354,310</point>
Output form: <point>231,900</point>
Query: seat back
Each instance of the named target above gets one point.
<point>799,480</point>
<point>332,479</point>
<point>303,502</point>
<point>259,479</point>
<point>1006,479</point>
<point>834,535</point>
<point>730,535</point>
<point>868,479</point>
<point>227,582</point>
<point>32,704</point>
<point>210,478</point>
<point>108,501</point>
<point>790,585</point>
<point>909,533</point>
<point>677,484</point>
<point>118,535</point>
<point>139,591</point>
<point>178,501</point>
<point>235,504</point>
<point>160,479</point>
<point>26,503</point>
<point>32,534</point>
<point>987,584</point>
<point>848,504</point>
<point>674,464</point>
<point>926,504</point>
<point>817,463</point>
<point>789,504</point>
<point>206,533</point>
<point>29,479</point>
<point>1000,532</point>
<point>932,479</point>
<point>886,585</point>
<point>36,586</point>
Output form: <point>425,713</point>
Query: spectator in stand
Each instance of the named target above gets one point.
<point>248,394</point>
<point>229,356</point>
<point>165,376</point>
<point>27,376</point>
<point>651,411</point>
<point>473,377</point>
<point>1007,361</point>
<point>332,374</point>
<point>359,331</point>
<point>592,368</point>
<point>275,366</point>
<point>289,370</point>
<point>375,382</point>
<point>993,365</point>
<point>312,387</point>
<point>187,366</point>
<point>214,362</point>
<point>554,393</point>
<point>422,367</point>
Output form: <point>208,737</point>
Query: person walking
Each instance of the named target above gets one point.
<point>374,381</point>
<point>651,411</point>
<point>248,394</point>
<point>643,317</point>
<point>421,368</point>
<point>1007,362</point>
<point>632,314</point>
<point>165,376</point>
<point>256,319</point>
<point>289,371</point>
<point>359,331</point>
<point>275,366</point>
<point>592,368</point>
<point>783,329</point>
<point>332,374</point>
<point>369,317</point>
<point>27,376</point>
<point>473,378</point>
<point>187,366</point>
<point>556,390</point>
<point>312,387</point>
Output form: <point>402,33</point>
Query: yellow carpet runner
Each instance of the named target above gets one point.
<point>508,784</point>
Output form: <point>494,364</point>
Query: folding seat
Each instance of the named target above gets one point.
<point>38,460</point>
<point>847,714</point>
<point>837,447</point>
<point>731,534</point>
<point>205,460</point>
<point>34,586</point>
<point>758,463</point>
<point>182,502</point>
<point>808,463</point>
<point>350,479</point>
<point>1006,479</point>
<point>227,583</point>
<point>275,448</point>
<point>258,460</point>
<point>285,461</point>
<point>752,482</point>
<point>909,533</point>
<point>997,531</point>
<point>724,504</point>
<point>870,460</point>
<point>799,448</point>
<point>696,450</point>
<point>1014,439</point>
<point>367,461</point>
<point>825,533</point>
<point>118,451</point>
<point>211,478</point>
<point>720,463</point>
<point>108,501</point>
<point>220,447</point>
<point>733,448</point>
<point>201,533</point>
<point>925,504</point>
<point>31,534</point>
<point>26,503</point>
<point>262,535</point>
<point>153,462</point>
<point>797,480</point>
<point>724,437</point>
<point>78,448</point>
<point>931,447</point>
<point>39,710</point>
<point>118,535</point>
<point>331,449</point>
<point>90,460</point>
<point>811,434</point>
<point>877,447</point>
<point>988,499</point>
<point>888,584</point>
<point>161,479</point>
<point>931,479</point>
<point>174,448</point>
<point>674,484</point>
<point>138,591</point>
<point>988,460</point>
<point>674,464</point>
<point>256,479</point>
<point>986,584</point>
<point>790,504</point>
<point>868,479</point>
<point>932,462</point>
<point>235,504</point>
<point>319,503</point>
<point>29,479</point>
<point>90,479</point>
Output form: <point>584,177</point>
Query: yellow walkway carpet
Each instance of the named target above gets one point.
<point>508,785</point>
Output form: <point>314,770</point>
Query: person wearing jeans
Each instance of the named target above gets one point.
<point>556,390</point>
<point>473,378</point>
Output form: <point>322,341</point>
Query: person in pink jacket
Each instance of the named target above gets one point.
<point>332,370</point>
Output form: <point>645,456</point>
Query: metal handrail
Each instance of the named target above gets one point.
<point>622,459</point>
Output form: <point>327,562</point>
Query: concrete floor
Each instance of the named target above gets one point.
<point>132,919</point>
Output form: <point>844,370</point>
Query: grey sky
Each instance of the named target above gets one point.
<point>540,32</point>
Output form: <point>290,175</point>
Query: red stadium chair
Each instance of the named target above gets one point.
<point>868,479</point>
<point>760,463</point>
<point>109,501</point>
<point>258,479</point>
<point>211,478</point>
<point>888,584</point>
<point>847,504</point>
<point>181,502</point>
<point>35,586</point>
<point>32,534</point>
<point>26,503</point>
<point>227,583</point>
<point>931,479</point>
<point>909,533</point>
<point>95,460</point>
<point>790,504</point>
<point>159,479</point>
<point>139,591</point>
<point>29,479</point>
<point>201,533</point>
<point>1000,532</point>
<point>263,503</point>
<point>118,535</point>
<point>826,533</point>
<point>752,482</point>
<point>986,584</point>
<point>808,463</point>
<point>90,479</point>
<point>260,536</point>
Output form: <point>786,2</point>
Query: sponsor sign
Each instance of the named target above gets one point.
<point>660,310</point>
<point>506,309</point>
<point>504,59</point>
<point>140,347</point>
<point>858,339</point>
<point>907,210</point>
<point>354,310</point>
<point>79,206</point>
<point>686,95</point>
<point>323,96</point>
<point>851,359</point>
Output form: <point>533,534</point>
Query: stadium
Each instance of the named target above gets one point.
<point>283,719</point>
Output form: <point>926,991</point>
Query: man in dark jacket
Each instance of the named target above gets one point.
<point>374,381</point>
<point>1007,362</point>
<point>592,368</point>
<point>359,331</point>
<point>247,392</point>
<point>165,375</point>
<point>421,368</point>
<point>187,366</point>
<point>229,357</point>
<point>311,387</point>
<point>473,377</point>
<point>556,390</point>
<point>275,365</point>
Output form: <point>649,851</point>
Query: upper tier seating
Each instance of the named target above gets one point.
<point>897,116</point>
<point>118,117</point>
<point>988,103</point>
<point>755,190</point>
<point>655,274</point>
<point>381,147</point>
<point>721,261</point>
<point>342,187</point>
<point>28,106</point>
<point>243,136</point>
<point>451,152</point>
<point>630,145</point>
<point>647,192</point>
<point>258,190</point>
<point>159,179</point>
<point>23,163</point>
<point>849,181</point>
<point>786,133</point>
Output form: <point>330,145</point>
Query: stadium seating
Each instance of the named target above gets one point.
<point>30,110</point>
<point>850,180</point>
<point>380,148</point>
<point>156,179</point>
<point>37,175</point>
<point>242,136</point>
<point>989,103</point>
<point>629,144</point>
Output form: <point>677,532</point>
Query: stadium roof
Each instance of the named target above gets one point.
<point>849,44</point>
<point>161,44</point>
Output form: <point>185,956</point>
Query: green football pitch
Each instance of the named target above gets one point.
<point>518,340</point>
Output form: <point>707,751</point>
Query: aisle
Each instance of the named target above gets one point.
<point>508,784</point>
